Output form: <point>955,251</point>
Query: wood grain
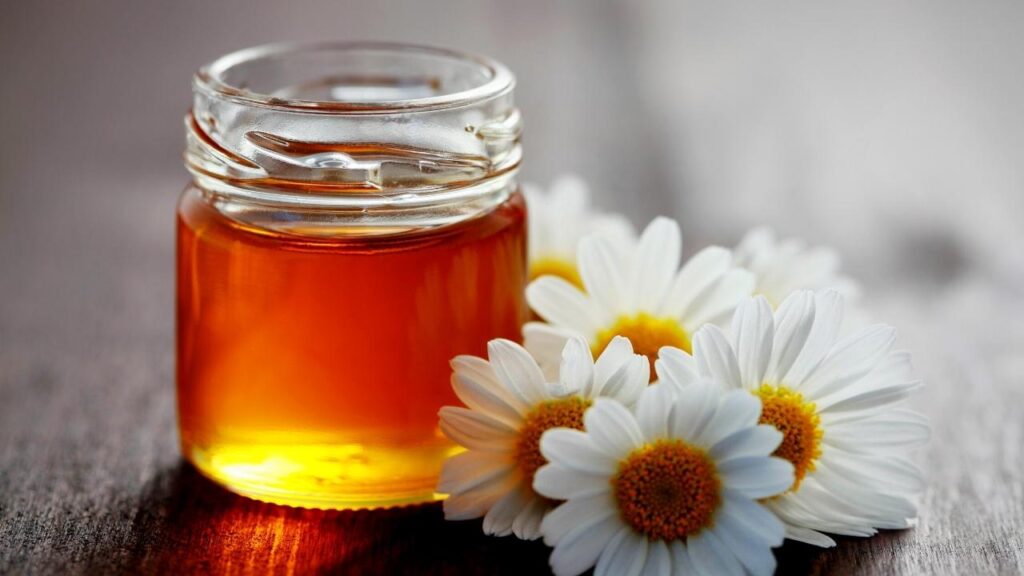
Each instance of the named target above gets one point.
<point>91,480</point>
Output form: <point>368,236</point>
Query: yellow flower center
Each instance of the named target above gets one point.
<point>562,413</point>
<point>647,334</point>
<point>554,266</point>
<point>667,490</point>
<point>799,423</point>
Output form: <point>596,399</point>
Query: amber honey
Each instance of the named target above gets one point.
<point>311,368</point>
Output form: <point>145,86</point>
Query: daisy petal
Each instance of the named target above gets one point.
<point>577,369</point>
<point>710,557</point>
<point>828,319</point>
<point>475,431</point>
<point>612,427</point>
<point>471,469</point>
<point>545,343</point>
<point>793,322</point>
<point>732,287</point>
<point>850,360</point>
<point>576,513</point>
<point>498,520</point>
<point>737,410</point>
<point>625,555</point>
<point>580,548</point>
<point>562,304</point>
<point>618,352</point>
<point>759,440</point>
<point>752,331</point>
<point>749,550</point>
<point>517,370</point>
<point>757,477</point>
<point>654,264</point>
<point>600,270</point>
<point>652,411</point>
<point>808,536</point>
<point>697,277</point>
<point>675,367</point>
<point>659,559</point>
<point>574,449</point>
<point>487,400</point>
<point>715,357</point>
<point>562,483</point>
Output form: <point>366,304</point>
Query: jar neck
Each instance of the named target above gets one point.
<point>357,130</point>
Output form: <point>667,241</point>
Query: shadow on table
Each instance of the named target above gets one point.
<point>188,524</point>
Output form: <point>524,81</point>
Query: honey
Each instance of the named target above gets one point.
<point>311,370</point>
<point>352,225</point>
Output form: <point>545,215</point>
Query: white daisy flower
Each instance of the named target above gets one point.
<point>509,406</point>
<point>669,488</point>
<point>559,219</point>
<point>785,266</point>
<point>836,401</point>
<point>637,291</point>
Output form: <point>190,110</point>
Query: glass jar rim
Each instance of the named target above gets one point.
<point>211,79</point>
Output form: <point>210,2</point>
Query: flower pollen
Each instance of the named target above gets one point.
<point>667,490</point>
<point>647,334</point>
<point>554,266</point>
<point>799,423</point>
<point>561,413</point>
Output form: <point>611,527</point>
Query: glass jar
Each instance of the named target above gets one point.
<point>352,224</point>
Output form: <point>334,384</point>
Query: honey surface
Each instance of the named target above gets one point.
<point>310,370</point>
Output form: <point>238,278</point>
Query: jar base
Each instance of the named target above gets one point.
<point>324,476</point>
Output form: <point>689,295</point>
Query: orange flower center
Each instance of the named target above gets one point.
<point>667,490</point>
<point>647,333</point>
<point>554,266</point>
<point>799,423</point>
<point>561,413</point>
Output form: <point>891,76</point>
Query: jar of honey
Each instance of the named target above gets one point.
<point>352,224</point>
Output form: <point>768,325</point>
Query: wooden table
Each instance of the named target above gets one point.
<point>91,480</point>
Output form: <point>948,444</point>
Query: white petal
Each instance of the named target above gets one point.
<point>793,322</point>
<point>517,370</point>
<point>736,410</point>
<point>693,407</point>
<point>759,523</point>
<point>716,358</point>
<point>697,277</point>
<point>676,367</point>
<point>654,264</point>
<point>659,560</point>
<point>828,319</point>
<point>574,449</point>
<point>755,556</point>
<point>722,299</point>
<point>577,369</point>
<point>498,520</point>
<point>471,469</point>
<point>612,428</point>
<point>474,430</point>
<point>849,360</point>
<point>561,483</point>
<point>600,269</point>
<point>615,354</point>
<point>752,332</point>
<point>526,525</point>
<point>759,440</point>
<point>893,429</point>
<point>682,565</point>
<point>757,477</point>
<point>624,556</point>
<point>492,400</point>
<point>652,411</point>
<point>562,304</point>
<point>576,512</point>
<point>626,384</point>
<point>866,398</point>
<point>475,503</point>
<point>580,548</point>
<point>808,536</point>
<point>545,343</point>
<point>709,557</point>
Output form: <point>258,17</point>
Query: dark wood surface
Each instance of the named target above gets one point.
<point>91,480</point>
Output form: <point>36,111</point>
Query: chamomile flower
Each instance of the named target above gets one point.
<point>836,401</point>
<point>785,266</point>
<point>637,291</point>
<point>668,488</point>
<point>509,407</point>
<point>558,220</point>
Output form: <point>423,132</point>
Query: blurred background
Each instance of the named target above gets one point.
<point>893,131</point>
